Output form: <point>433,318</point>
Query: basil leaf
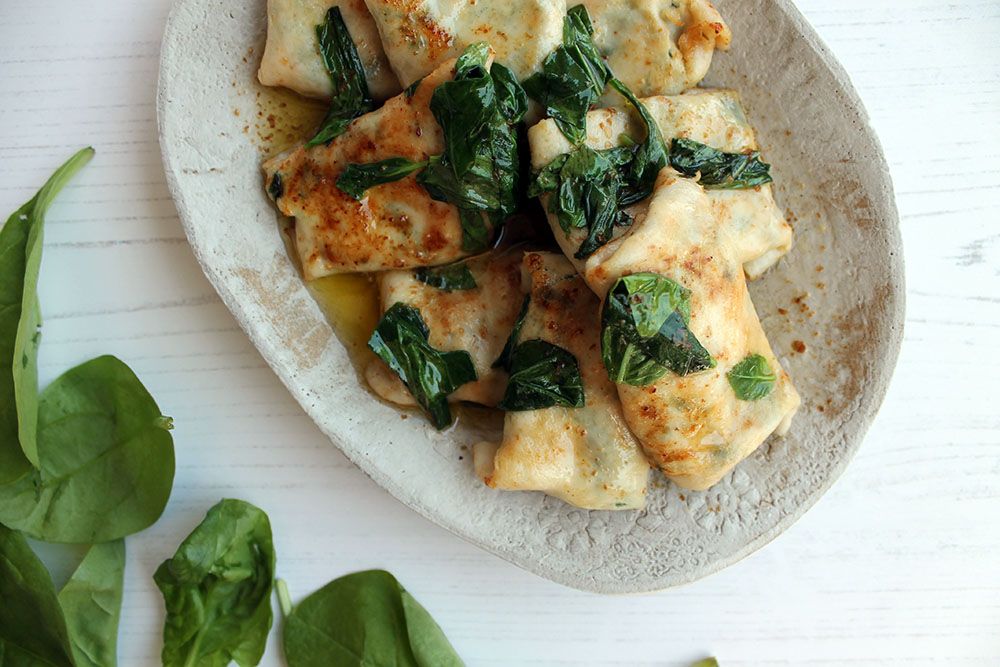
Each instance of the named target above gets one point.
<point>350,97</point>
<point>542,375</point>
<point>400,340</point>
<point>32,628</point>
<point>505,359</point>
<point>365,618</point>
<point>357,178</point>
<point>644,331</point>
<point>719,170</point>
<point>452,277</point>
<point>92,602</point>
<point>752,379</point>
<point>217,589</point>
<point>20,320</point>
<point>572,77</point>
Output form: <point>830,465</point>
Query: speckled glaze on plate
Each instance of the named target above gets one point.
<point>839,294</point>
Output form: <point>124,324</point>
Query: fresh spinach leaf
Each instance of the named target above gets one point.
<point>20,319</point>
<point>719,170</point>
<point>451,277</point>
<point>542,375</point>
<point>644,331</point>
<point>107,459</point>
<point>92,601</point>
<point>401,341</point>
<point>365,618</point>
<point>217,590</point>
<point>32,628</point>
<point>752,379</point>
<point>506,355</point>
<point>357,178</point>
<point>572,77</point>
<point>350,97</point>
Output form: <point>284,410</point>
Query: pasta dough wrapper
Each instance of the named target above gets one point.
<point>693,427</point>
<point>396,225</point>
<point>291,54</point>
<point>756,227</point>
<point>418,35</point>
<point>584,456</point>
<point>657,47</point>
<point>475,320</point>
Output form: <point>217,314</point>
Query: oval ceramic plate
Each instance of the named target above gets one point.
<point>839,293</point>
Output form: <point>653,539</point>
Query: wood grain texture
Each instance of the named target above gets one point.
<point>896,565</point>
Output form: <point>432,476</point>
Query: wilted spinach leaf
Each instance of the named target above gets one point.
<point>505,358</point>
<point>542,375</point>
<point>92,602</point>
<point>455,276</point>
<point>400,340</point>
<point>350,97</point>
<point>32,628</point>
<point>217,590</point>
<point>644,331</point>
<point>592,187</point>
<point>752,379</point>
<point>107,459</point>
<point>357,178</point>
<point>587,186</point>
<point>20,319</point>
<point>719,170</point>
<point>479,171</point>
<point>572,77</point>
<point>366,618</point>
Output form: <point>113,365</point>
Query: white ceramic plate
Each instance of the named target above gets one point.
<point>839,292</point>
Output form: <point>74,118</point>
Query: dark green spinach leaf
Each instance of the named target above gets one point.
<point>752,379</point>
<point>719,170</point>
<point>357,178</point>
<point>32,627</point>
<point>505,359</point>
<point>20,319</point>
<point>593,187</point>
<point>648,158</point>
<point>572,77</point>
<point>479,172</point>
<point>644,331</point>
<point>350,97</point>
<point>107,459</point>
<point>217,590</point>
<point>542,375</point>
<point>366,618</point>
<point>92,602</point>
<point>455,276</point>
<point>401,341</point>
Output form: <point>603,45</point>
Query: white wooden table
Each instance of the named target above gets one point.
<point>898,564</point>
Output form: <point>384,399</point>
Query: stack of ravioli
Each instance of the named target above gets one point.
<point>617,333</point>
